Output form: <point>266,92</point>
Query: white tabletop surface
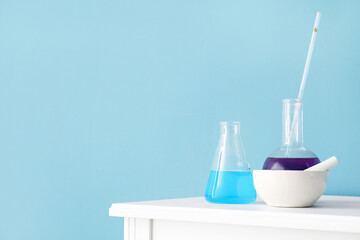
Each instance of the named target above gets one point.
<point>336,213</point>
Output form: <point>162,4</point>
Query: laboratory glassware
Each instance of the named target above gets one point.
<point>292,155</point>
<point>230,179</point>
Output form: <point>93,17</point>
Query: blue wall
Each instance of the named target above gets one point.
<point>114,101</point>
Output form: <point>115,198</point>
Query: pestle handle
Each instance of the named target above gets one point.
<point>324,165</point>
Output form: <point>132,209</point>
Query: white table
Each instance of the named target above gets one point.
<point>332,217</point>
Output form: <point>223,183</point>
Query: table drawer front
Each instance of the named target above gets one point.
<point>178,230</point>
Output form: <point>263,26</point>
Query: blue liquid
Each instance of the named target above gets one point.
<point>236,187</point>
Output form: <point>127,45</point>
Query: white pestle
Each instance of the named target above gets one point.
<point>324,165</point>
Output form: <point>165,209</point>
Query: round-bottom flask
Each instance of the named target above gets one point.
<point>230,179</point>
<point>292,155</point>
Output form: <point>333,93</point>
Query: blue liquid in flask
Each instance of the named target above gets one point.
<point>234,187</point>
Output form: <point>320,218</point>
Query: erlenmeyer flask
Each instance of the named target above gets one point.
<point>292,155</point>
<point>230,179</point>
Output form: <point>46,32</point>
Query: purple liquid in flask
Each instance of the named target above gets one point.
<point>290,163</point>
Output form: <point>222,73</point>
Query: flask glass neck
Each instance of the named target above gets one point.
<point>292,120</point>
<point>230,128</point>
<point>230,154</point>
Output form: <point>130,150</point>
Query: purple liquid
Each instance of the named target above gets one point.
<point>289,163</point>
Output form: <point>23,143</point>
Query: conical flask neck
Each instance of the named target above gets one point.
<point>230,128</point>
<point>230,155</point>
